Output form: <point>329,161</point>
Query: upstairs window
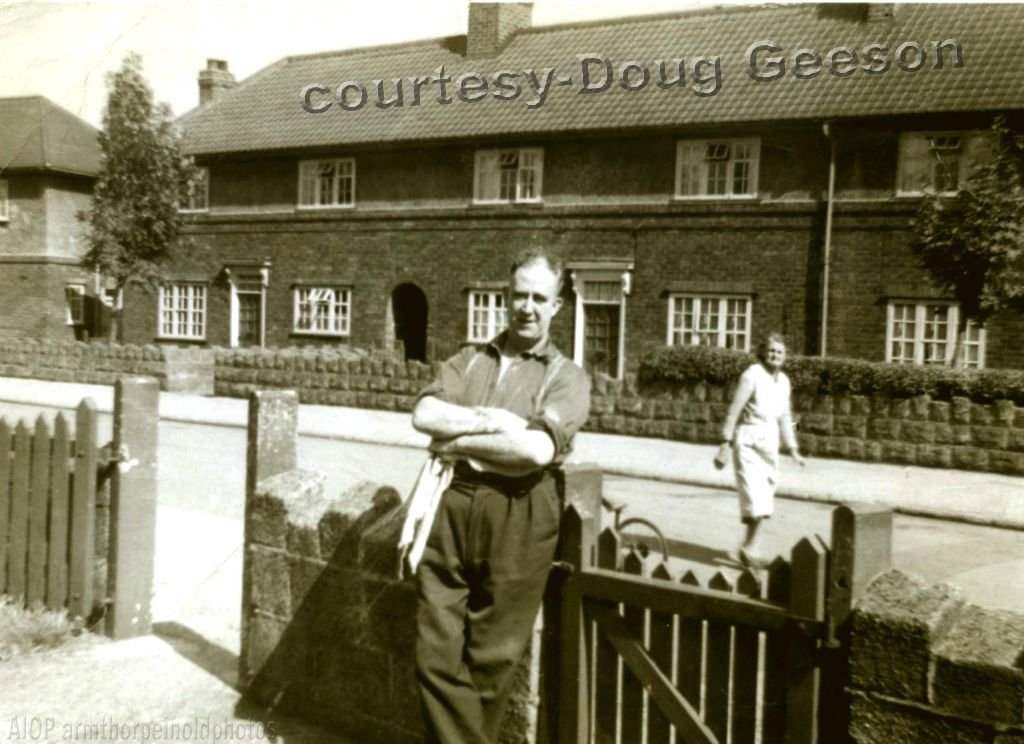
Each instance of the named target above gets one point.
<point>323,311</point>
<point>195,194</point>
<point>183,311</point>
<point>4,206</point>
<point>701,320</point>
<point>327,183</point>
<point>938,161</point>
<point>509,175</point>
<point>487,314</point>
<point>717,169</point>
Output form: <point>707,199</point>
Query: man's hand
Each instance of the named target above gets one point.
<point>500,420</point>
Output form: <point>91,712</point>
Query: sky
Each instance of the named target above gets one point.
<point>63,50</point>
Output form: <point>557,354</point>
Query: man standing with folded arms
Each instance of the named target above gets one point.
<point>506,413</point>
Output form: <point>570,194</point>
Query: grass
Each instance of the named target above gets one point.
<point>27,631</point>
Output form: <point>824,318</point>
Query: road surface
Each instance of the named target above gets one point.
<point>202,486</point>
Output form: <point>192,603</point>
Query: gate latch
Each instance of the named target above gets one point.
<point>121,456</point>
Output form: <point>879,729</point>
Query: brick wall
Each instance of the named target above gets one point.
<point>34,305</point>
<point>925,666</point>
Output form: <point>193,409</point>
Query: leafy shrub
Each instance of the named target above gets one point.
<point>689,364</point>
<point>25,631</point>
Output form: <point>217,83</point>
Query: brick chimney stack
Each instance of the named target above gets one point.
<point>214,80</point>
<point>491,24</point>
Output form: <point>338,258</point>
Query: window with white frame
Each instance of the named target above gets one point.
<point>925,333</point>
<point>183,310</point>
<point>717,169</point>
<point>74,298</point>
<point>939,161</point>
<point>196,193</point>
<point>509,175</point>
<point>327,183</point>
<point>705,320</point>
<point>4,201</point>
<point>487,314</point>
<point>325,311</point>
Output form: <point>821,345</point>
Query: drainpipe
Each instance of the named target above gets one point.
<point>827,258</point>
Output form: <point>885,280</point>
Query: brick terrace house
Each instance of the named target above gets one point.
<point>693,202</point>
<point>49,160</point>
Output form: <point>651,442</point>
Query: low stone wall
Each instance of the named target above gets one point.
<point>926,666</point>
<point>328,627</point>
<point>181,370</point>
<point>958,433</point>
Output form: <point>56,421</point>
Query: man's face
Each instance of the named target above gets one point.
<point>533,301</point>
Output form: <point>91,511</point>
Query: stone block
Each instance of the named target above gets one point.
<point>1015,440</point>
<point>935,456</point>
<point>900,409</point>
<point>824,404</point>
<point>960,410</point>
<point>899,618</point>
<point>263,635</point>
<point>943,433</point>
<point>391,615</point>
<point>851,426</point>
<point>978,666</point>
<point>662,409</point>
<point>962,434</point>
<point>601,405</point>
<point>920,407</point>
<point>267,521</point>
<point>629,405</point>
<point>1005,412</point>
<point>873,451</point>
<point>269,578</point>
<point>982,414</point>
<point>378,548</point>
<point>900,452</point>
<point>817,423</point>
<point>918,431</point>
<point>347,517</point>
<point>990,437</point>
<point>808,443</point>
<point>970,458</point>
<point>682,431</point>
<point>884,429</point>
<point>1011,463</point>
<point>877,721</point>
<point>855,448</point>
<point>303,574</point>
<point>835,447</point>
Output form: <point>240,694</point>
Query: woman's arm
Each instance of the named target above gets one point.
<point>744,390</point>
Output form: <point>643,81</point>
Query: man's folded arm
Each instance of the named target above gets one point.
<point>526,448</point>
<point>443,420</point>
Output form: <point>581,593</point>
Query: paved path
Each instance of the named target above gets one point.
<point>981,498</point>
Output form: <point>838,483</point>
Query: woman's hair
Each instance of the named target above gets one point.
<point>772,338</point>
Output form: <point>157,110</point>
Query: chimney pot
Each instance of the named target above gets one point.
<point>214,81</point>
<point>491,24</point>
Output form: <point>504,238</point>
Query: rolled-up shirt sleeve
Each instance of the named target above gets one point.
<point>450,382</point>
<point>564,409</point>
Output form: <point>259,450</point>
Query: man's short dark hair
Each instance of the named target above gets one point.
<point>531,255</point>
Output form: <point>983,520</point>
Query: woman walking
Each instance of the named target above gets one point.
<point>759,410</point>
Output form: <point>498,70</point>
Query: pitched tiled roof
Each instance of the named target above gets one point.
<point>264,113</point>
<point>37,133</point>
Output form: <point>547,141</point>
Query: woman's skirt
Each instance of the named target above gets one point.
<point>756,460</point>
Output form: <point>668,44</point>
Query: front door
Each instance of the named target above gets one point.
<point>601,339</point>
<point>248,308</point>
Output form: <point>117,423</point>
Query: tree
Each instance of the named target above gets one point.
<point>133,223</point>
<point>972,243</point>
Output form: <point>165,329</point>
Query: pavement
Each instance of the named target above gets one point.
<point>189,663</point>
<point>959,495</point>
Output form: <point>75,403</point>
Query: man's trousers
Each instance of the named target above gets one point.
<point>481,581</point>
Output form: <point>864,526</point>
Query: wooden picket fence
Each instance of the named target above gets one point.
<point>48,506</point>
<point>649,656</point>
<point>48,483</point>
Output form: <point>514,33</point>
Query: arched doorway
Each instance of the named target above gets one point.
<point>409,310</point>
